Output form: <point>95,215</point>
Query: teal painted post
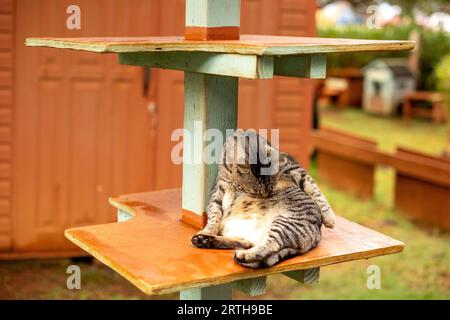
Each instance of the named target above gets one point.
<point>220,292</point>
<point>210,103</point>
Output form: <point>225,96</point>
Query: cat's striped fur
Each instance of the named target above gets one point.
<point>266,218</point>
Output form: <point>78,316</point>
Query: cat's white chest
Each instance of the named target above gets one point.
<point>251,226</point>
<point>249,229</point>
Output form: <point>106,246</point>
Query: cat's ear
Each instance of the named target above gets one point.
<point>273,154</point>
<point>233,150</point>
<point>284,158</point>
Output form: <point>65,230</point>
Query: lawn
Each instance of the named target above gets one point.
<point>422,271</point>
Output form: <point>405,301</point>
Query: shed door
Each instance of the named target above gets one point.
<point>6,121</point>
<point>82,130</point>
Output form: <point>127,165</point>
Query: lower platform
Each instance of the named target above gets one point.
<point>153,250</point>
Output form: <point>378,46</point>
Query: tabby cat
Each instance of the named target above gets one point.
<point>267,218</point>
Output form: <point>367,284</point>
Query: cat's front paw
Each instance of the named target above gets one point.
<point>202,240</point>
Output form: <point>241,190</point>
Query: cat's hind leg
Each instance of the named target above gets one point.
<point>307,184</point>
<point>254,257</point>
<point>268,261</point>
<point>206,241</point>
<point>282,241</point>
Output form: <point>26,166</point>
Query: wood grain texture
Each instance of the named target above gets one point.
<point>248,44</point>
<point>154,252</point>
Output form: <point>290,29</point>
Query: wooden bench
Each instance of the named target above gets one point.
<point>345,161</point>
<point>437,111</point>
<point>151,248</point>
<point>422,187</point>
<point>351,96</point>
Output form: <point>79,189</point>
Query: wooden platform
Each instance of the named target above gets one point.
<point>154,252</point>
<point>248,44</point>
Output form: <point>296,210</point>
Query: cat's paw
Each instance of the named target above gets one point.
<point>328,218</point>
<point>202,240</point>
<point>246,256</point>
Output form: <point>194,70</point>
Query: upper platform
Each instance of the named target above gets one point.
<point>153,250</point>
<point>247,45</point>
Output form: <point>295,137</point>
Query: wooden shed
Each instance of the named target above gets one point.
<point>386,81</point>
<point>76,128</point>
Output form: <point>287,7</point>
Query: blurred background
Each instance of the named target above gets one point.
<point>77,128</point>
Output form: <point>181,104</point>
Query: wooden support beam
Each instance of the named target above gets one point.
<point>224,64</point>
<point>253,287</point>
<point>123,216</point>
<point>229,64</point>
<point>210,103</point>
<point>306,276</point>
<point>213,19</point>
<point>220,292</point>
<point>301,66</point>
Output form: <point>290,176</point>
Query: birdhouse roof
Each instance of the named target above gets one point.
<point>398,66</point>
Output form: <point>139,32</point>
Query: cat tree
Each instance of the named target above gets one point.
<point>150,245</point>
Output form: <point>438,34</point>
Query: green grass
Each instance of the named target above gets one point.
<point>422,270</point>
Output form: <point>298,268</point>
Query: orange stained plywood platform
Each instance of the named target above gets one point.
<point>248,44</point>
<point>154,252</point>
